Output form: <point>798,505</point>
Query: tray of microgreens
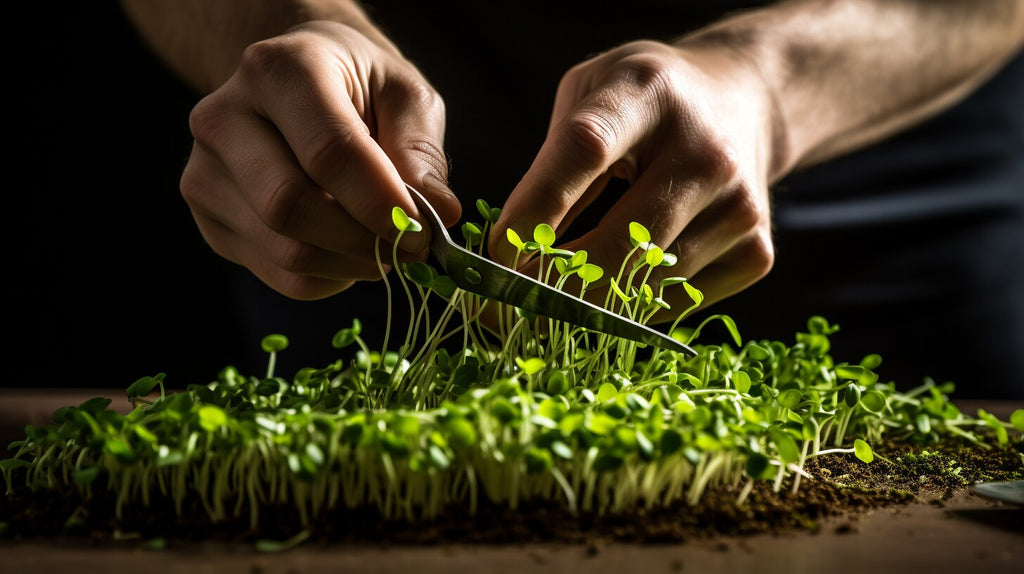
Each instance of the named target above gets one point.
<point>457,411</point>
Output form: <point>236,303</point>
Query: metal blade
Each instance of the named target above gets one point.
<point>481,276</point>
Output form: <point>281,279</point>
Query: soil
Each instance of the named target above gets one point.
<point>841,486</point>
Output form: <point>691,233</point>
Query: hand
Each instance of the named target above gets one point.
<point>690,130</point>
<point>300,157</point>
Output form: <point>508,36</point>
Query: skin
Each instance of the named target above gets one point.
<point>312,123</point>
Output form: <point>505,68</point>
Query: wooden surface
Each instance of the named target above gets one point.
<point>966,534</point>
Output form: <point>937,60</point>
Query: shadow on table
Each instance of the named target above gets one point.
<point>1001,517</point>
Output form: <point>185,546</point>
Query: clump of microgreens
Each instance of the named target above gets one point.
<point>524,410</point>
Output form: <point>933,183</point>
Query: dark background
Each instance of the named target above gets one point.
<point>109,279</point>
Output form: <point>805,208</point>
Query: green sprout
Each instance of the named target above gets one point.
<point>466,413</point>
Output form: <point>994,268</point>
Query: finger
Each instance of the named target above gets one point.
<point>234,231</point>
<point>302,287</point>
<point>746,263</point>
<point>269,184</point>
<point>692,210</point>
<point>331,139</point>
<point>410,119</point>
<point>732,219</point>
<point>596,134</point>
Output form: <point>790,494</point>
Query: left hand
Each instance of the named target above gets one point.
<point>691,129</point>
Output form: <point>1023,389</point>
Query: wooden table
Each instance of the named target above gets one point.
<point>966,534</point>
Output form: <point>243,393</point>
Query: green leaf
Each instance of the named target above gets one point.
<point>785,445</point>
<point>95,405</point>
<point>863,451</point>
<point>400,218</point>
<point>438,458</point>
<point>503,410</point>
<point>561,450</point>
<point>420,273</point>
<point>789,398</point>
<point>741,381</point>
<point>514,239</point>
<point>120,449</point>
<point>268,388</point>
<point>212,417</point>
<point>544,235</point>
<point>590,272</point>
<point>923,423</point>
<point>601,424</point>
<point>694,293</point>
<point>671,441</point>
<point>531,365</point>
<point>484,209</point>
<point>654,256</point>
<point>346,337</point>
<point>274,343</point>
<point>471,233</point>
<point>638,234</point>
<point>756,465</point>
<point>994,424</point>
<point>463,432</point>
<point>873,401</point>
<point>578,259</point>
<point>563,266</point>
<point>871,361</point>
<point>606,392</point>
<point>142,387</point>
<point>443,286</point>
<point>849,372</point>
<point>12,463</point>
<point>537,460</point>
<point>1017,419</point>
<point>851,395</point>
<point>557,383</point>
<point>615,287</point>
<point>819,326</point>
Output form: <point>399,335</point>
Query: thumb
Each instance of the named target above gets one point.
<point>410,129</point>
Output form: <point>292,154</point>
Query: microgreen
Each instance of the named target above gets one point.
<point>465,412</point>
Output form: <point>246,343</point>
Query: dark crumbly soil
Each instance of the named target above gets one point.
<point>841,486</point>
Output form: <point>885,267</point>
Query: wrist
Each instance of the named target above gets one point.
<point>732,61</point>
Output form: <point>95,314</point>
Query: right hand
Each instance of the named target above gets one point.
<point>301,155</point>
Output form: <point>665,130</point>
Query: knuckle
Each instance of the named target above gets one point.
<point>424,98</point>
<point>715,165</point>
<point>330,149</point>
<point>648,70</point>
<point>295,257</point>
<point>207,120</point>
<point>745,209</point>
<point>276,58</point>
<point>759,252</point>
<point>192,188</point>
<point>283,203</point>
<point>592,136</point>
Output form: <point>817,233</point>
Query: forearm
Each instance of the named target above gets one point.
<point>843,74</point>
<point>202,40</point>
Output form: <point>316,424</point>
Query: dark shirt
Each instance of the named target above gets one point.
<point>914,246</point>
